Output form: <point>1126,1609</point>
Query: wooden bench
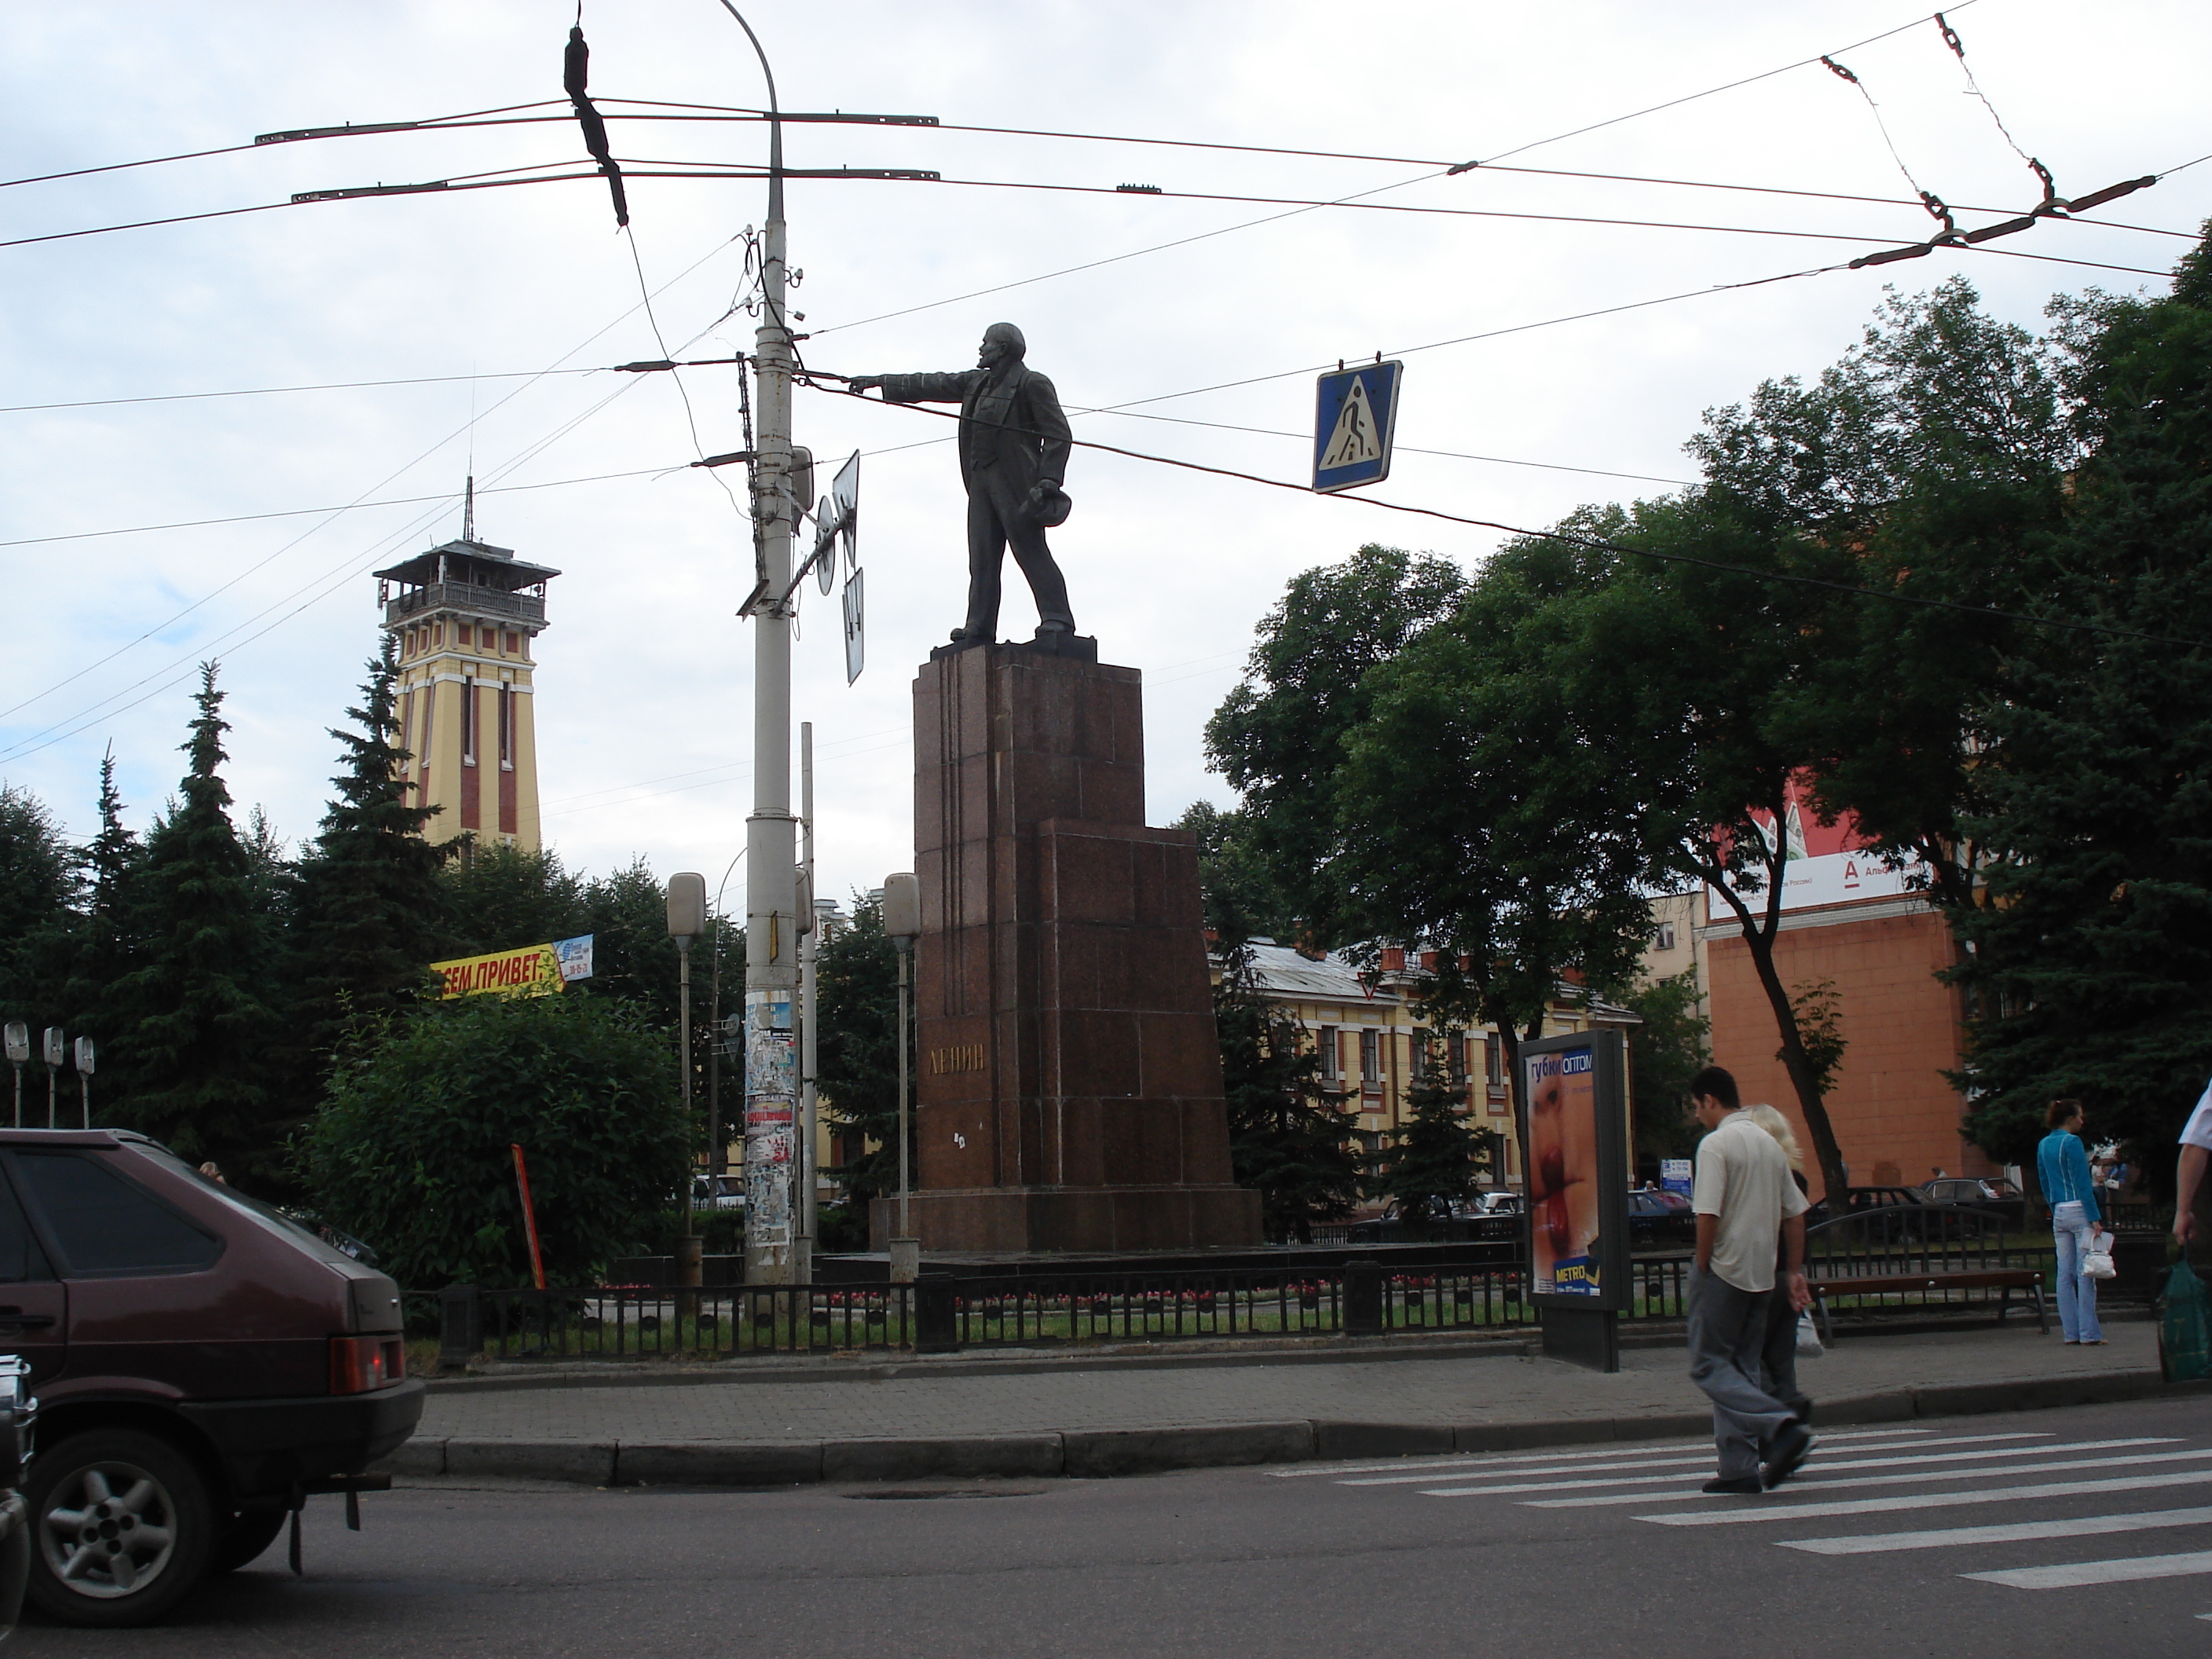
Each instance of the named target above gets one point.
<point>2007,1279</point>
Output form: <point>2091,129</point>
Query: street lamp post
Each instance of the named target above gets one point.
<point>901,914</point>
<point>19,1050</point>
<point>84,1059</point>
<point>57,1045</point>
<point>687,919</point>
<point>718,1143</point>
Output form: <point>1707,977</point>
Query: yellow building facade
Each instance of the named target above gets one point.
<point>1371,1043</point>
<point>467,615</point>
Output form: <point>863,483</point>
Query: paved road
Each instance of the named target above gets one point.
<point>2083,1531</point>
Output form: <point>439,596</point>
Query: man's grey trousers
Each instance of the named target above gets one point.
<point>1727,1328</point>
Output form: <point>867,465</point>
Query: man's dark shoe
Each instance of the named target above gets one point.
<point>1740,1486</point>
<point>1791,1448</point>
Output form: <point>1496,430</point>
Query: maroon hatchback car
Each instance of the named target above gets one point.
<point>202,1364</point>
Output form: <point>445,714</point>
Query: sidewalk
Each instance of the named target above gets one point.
<point>1025,1415</point>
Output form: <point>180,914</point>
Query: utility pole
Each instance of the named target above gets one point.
<point>771,839</point>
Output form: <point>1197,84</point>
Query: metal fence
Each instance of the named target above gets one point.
<point>629,1321</point>
<point>1960,1259</point>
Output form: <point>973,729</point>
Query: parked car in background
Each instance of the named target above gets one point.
<point>204,1363</point>
<point>1998,1198</point>
<point>1450,1221</point>
<point>1660,1217</point>
<point>1897,1213</point>
<point>1501,1202</point>
<point>726,1191</point>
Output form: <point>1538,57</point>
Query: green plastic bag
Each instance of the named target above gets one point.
<point>2184,1332</point>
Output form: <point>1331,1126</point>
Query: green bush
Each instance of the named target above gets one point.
<point>409,1153</point>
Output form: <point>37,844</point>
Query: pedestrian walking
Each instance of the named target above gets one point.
<point>2062,1169</point>
<point>1777,1355</point>
<point>2190,1186</point>
<point>1745,1205</point>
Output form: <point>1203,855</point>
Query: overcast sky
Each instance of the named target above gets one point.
<point>643,687</point>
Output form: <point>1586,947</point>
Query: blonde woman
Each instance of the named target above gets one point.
<point>1778,1358</point>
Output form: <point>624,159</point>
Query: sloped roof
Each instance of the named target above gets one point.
<point>1283,972</point>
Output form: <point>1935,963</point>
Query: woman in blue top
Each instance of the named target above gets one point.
<point>2062,1169</point>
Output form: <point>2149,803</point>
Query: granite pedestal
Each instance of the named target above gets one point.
<point>1069,1090</point>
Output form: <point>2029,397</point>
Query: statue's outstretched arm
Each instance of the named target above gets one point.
<point>915,388</point>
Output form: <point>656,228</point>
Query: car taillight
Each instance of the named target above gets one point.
<point>361,1365</point>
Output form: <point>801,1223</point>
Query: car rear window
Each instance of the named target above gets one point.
<point>104,1224</point>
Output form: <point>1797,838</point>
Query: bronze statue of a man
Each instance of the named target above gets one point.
<point>1013,457</point>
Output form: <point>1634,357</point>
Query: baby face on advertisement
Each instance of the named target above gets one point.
<point>1563,1168</point>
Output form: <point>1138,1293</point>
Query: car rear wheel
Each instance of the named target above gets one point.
<point>241,1539</point>
<point>120,1527</point>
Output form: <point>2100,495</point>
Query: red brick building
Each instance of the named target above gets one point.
<point>1847,921</point>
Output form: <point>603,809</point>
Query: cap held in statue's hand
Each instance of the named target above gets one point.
<point>1051,505</point>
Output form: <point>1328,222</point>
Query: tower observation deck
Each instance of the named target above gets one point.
<point>465,615</point>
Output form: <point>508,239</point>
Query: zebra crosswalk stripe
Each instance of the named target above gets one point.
<point>2076,1573</point>
<point>1704,1454</point>
<point>2007,1532</point>
<point>1785,1512</point>
<point>1601,1456</point>
<point>1855,1463</point>
<point>1816,1485</point>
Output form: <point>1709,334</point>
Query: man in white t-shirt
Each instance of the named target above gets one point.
<point>1745,1201</point>
<point>2189,1182</point>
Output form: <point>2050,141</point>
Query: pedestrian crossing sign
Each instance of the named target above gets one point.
<point>1355,414</point>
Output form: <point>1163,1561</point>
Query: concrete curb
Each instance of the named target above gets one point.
<point>1101,1454</point>
<point>1183,1356</point>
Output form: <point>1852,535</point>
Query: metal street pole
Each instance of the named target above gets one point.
<point>810,957</point>
<point>902,921</point>
<point>687,919</point>
<point>57,1050</point>
<point>718,1143</point>
<point>771,840</point>
<point>19,1050</point>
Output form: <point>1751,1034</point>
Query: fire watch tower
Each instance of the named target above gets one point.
<point>464,615</point>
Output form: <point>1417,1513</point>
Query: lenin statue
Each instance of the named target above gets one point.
<point>1013,457</point>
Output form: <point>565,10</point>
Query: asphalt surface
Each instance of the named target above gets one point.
<point>2102,1543</point>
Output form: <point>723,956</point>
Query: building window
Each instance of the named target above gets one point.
<point>513,643</point>
<point>1666,935</point>
<point>1493,1060</point>
<point>1332,1057</point>
<point>468,722</point>
<point>422,750</point>
<point>507,728</point>
<point>1418,1041</point>
<point>1371,1057</point>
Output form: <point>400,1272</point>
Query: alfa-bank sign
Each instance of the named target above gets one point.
<point>1827,863</point>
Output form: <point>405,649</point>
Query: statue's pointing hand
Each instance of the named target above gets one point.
<point>864,382</point>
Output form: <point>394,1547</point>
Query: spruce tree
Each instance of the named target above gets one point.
<point>1288,1141</point>
<point>107,945</point>
<point>369,906</point>
<point>197,1032</point>
<point>2090,971</point>
<point>39,885</point>
<point>1435,1153</point>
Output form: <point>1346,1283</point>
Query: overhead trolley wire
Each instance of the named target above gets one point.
<point>1596,543</point>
